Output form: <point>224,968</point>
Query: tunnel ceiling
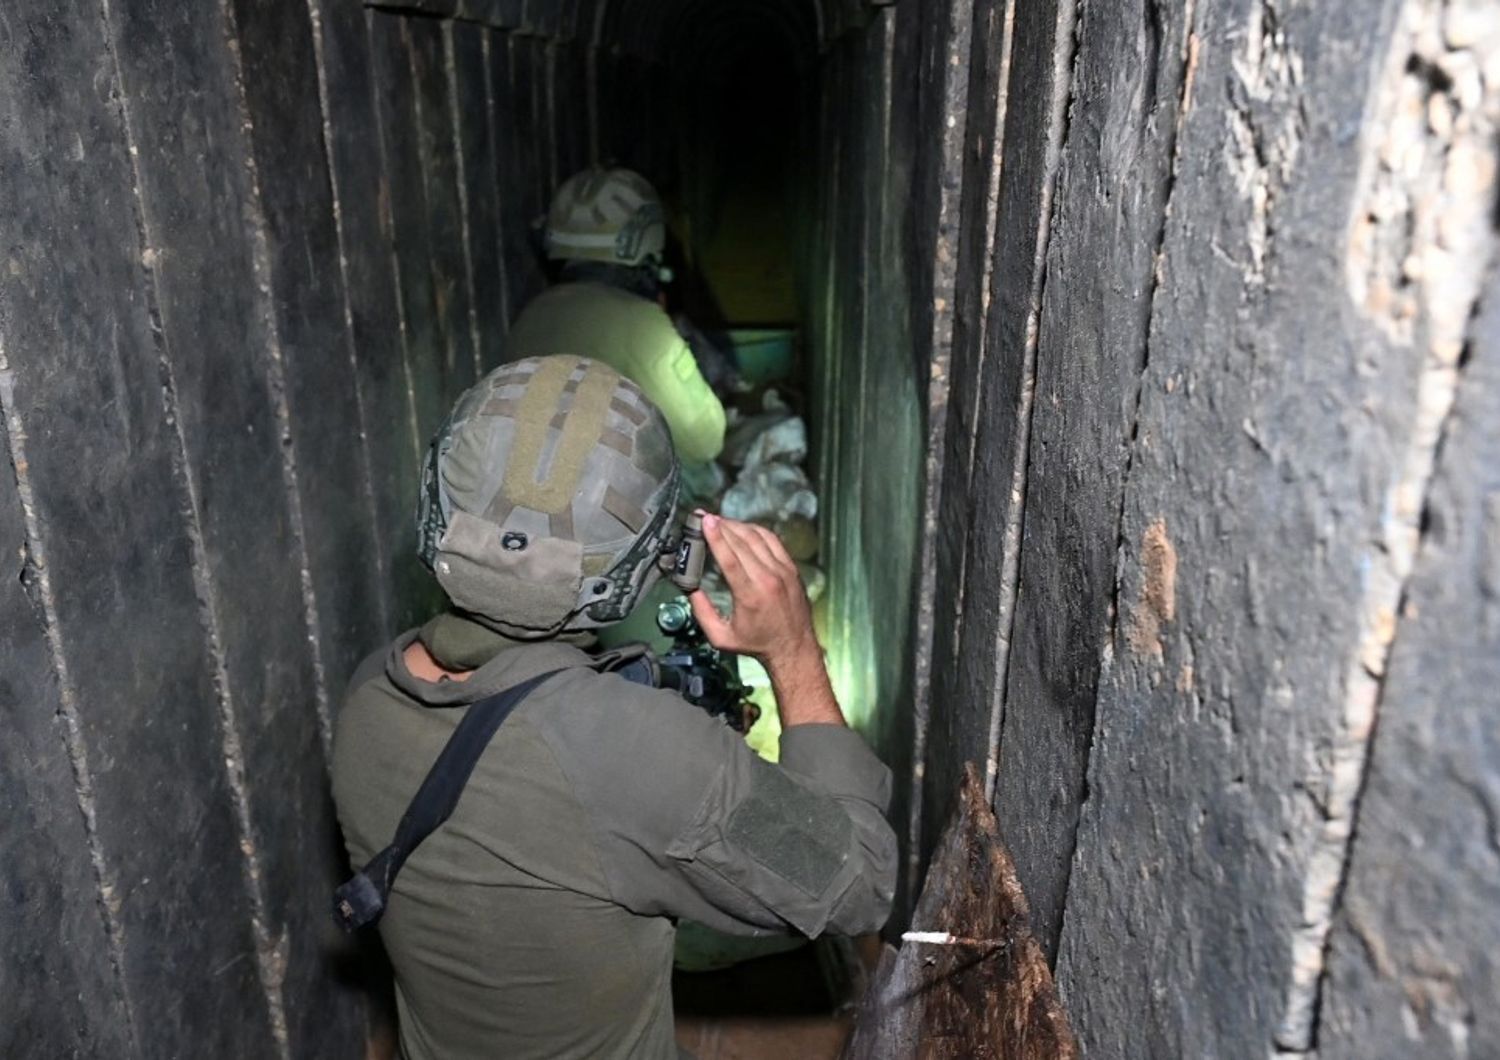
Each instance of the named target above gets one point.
<point>671,30</point>
<point>654,29</point>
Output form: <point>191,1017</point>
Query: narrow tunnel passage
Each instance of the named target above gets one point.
<point>1148,356</point>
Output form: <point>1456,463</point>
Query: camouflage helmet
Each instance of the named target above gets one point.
<point>609,215</point>
<point>547,496</point>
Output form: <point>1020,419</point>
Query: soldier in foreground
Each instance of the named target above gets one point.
<point>538,921</point>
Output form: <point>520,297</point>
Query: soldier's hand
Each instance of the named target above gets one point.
<point>771,616</point>
<point>771,621</point>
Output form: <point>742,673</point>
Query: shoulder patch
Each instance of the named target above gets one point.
<point>800,836</point>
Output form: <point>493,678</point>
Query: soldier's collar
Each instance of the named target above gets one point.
<point>509,661</point>
<point>458,642</point>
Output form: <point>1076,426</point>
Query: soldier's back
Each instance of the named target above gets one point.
<point>635,337</point>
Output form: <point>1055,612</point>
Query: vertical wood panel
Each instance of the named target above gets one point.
<point>1277,418</point>
<point>479,181</point>
<point>279,70</point>
<point>1413,961</point>
<point>931,70</point>
<point>395,96</point>
<point>523,272</point>
<point>57,974</point>
<point>967,698</point>
<point>77,338</point>
<point>1112,193</point>
<point>436,148</point>
<point>527,146</point>
<point>362,192</point>
<point>984,45</point>
<point>219,343</point>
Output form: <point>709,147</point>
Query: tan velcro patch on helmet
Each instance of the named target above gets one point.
<point>583,424</point>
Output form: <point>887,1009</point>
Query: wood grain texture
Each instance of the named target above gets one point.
<point>1412,963</point>
<point>366,233</point>
<point>1113,184</point>
<point>991,1000</point>
<point>280,82</point>
<point>98,466</point>
<point>437,152</point>
<point>219,345</point>
<point>985,460</point>
<point>1276,414</point>
<point>57,972</point>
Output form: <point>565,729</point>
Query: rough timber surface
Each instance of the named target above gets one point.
<point>363,195</point>
<point>400,138</point>
<point>881,573</point>
<point>533,185</point>
<point>523,272</point>
<point>988,999</point>
<point>1274,416</point>
<point>959,315</point>
<point>215,338</point>
<point>1112,186</point>
<point>923,96</point>
<point>965,705</point>
<point>56,974</point>
<point>482,192</point>
<point>1413,965</point>
<point>438,152</point>
<point>84,391</point>
<point>296,206</point>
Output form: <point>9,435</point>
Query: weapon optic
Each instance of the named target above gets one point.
<point>702,674</point>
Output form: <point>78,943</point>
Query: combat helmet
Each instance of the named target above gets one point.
<point>607,215</point>
<point>547,497</point>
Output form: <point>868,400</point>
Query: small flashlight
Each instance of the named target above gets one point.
<point>684,564</point>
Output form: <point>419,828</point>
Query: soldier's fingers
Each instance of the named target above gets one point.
<point>752,549</point>
<point>753,572</point>
<point>725,551</point>
<point>774,547</point>
<point>713,624</point>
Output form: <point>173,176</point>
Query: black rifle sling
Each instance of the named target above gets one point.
<point>362,899</point>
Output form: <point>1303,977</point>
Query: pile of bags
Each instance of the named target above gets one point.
<point>761,478</point>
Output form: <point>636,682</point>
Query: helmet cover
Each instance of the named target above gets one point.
<point>607,215</point>
<point>547,496</point>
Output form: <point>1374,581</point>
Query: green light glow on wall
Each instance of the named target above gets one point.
<point>849,648</point>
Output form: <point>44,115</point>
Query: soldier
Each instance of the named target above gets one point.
<point>538,921</point>
<point>605,228</point>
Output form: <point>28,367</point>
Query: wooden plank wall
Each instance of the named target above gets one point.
<point>1212,528</point>
<point>256,249</point>
<point>1158,393</point>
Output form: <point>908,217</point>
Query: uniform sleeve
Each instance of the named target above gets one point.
<point>690,823</point>
<point>693,411</point>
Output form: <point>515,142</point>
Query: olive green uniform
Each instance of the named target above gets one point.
<point>539,920</point>
<point>636,338</point>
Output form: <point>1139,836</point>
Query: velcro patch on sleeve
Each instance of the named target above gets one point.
<point>800,836</point>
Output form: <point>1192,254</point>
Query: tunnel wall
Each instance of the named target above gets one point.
<point>1213,513</point>
<point>866,388</point>
<point>254,250</point>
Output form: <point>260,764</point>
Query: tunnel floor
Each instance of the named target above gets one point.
<point>799,1004</point>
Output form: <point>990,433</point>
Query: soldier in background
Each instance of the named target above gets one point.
<point>538,921</point>
<point>605,230</point>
